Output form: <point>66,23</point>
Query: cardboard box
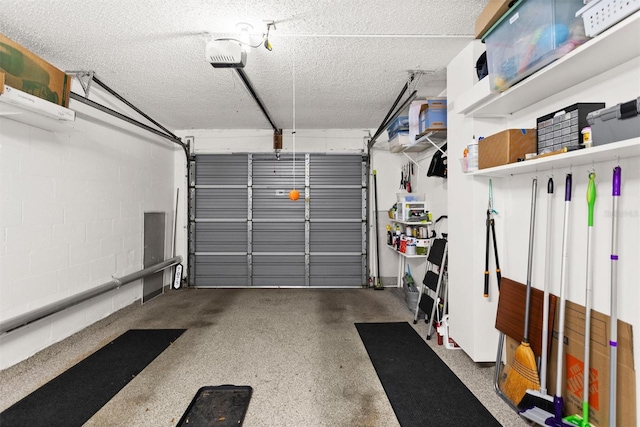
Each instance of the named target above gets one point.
<point>25,71</point>
<point>490,15</point>
<point>598,366</point>
<point>433,115</point>
<point>506,147</point>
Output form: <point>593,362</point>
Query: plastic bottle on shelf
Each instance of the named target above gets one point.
<point>586,137</point>
<point>472,157</point>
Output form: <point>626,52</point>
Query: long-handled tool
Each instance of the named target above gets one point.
<point>583,421</point>
<point>555,419</point>
<point>377,284</point>
<point>524,369</point>
<point>613,340</point>
<point>539,398</point>
<point>491,226</point>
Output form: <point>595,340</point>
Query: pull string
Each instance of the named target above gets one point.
<point>293,134</point>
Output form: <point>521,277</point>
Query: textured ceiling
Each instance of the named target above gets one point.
<point>351,58</point>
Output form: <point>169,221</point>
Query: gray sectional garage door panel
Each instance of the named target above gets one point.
<point>221,203</point>
<point>278,237</point>
<point>278,270</point>
<point>336,271</point>
<point>221,237</point>
<point>245,231</point>
<point>336,237</point>
<point>221,270</point>
<point>274,205</point>
<point>337,201</point>
<point>225,169</point>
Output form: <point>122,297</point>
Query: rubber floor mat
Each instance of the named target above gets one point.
<point>421,388</point>
<point>219,406</point>
<point>74,396</point>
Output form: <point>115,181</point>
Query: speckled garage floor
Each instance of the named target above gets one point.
<point>297,348</point>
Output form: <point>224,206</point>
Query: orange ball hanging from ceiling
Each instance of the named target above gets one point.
<point>294,195</point>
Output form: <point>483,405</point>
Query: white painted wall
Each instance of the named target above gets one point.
<point>71,218</point>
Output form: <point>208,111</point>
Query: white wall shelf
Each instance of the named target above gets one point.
<point>613,47</point>
<point>432,138</point>
<point>26,108</point>
<point>600,153</point>
<point>397,221</point>
<point>404,254</point>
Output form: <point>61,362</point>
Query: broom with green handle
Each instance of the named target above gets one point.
<point>583,421</point>
<point>523,374</point>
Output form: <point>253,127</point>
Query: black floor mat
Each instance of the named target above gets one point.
<point>74,396</point>
<point>219,406</point>
<point>423,391</point>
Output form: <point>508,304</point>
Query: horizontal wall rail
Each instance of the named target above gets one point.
<point>55,307</point>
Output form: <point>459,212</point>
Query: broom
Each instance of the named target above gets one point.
<point>523,374</point>
<point>540,398</point>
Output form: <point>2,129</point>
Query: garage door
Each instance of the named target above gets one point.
<point>245,231</point>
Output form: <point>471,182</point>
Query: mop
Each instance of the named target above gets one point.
<point>583,421</point>
<point>613,341</point>
<point>539,398</point>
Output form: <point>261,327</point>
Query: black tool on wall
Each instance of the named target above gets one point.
<point>490,224</point>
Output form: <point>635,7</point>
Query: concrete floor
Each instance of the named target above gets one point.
<point>297,348</point>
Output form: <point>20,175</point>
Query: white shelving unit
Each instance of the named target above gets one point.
<point>402,257</point>
<point>613,47</point>
<point>604,68</point>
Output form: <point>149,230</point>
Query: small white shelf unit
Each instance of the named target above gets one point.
<point>405,211</point>
<point>26,108</point>
<point>429,139</point>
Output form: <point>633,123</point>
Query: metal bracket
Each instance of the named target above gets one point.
<point>414,76</point>
<point>85,78</point>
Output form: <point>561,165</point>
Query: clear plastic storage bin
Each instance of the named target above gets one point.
<point>531,35</point>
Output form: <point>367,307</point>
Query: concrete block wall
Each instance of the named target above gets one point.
<point>71,219</point>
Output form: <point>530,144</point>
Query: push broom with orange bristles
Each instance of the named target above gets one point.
<point>523,374</point>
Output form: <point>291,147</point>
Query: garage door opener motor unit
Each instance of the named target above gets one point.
<point>226,53</point>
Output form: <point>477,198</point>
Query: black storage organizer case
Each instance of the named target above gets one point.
<point>562,128</point>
